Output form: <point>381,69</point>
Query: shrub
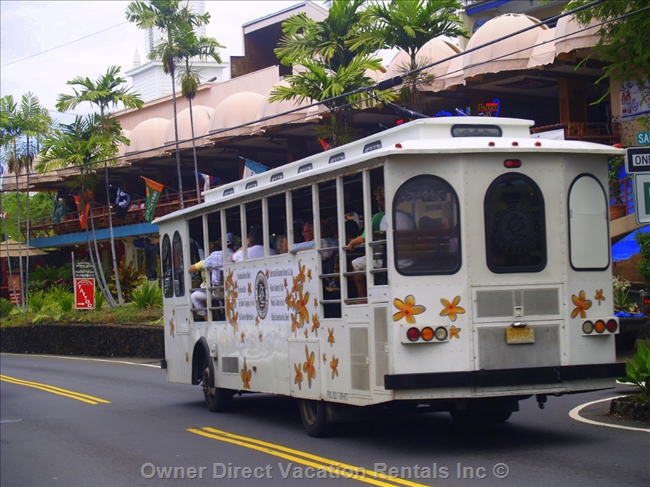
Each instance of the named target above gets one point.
<point>64,298</point>
<point>622,300</point>
<point>130,277</point>
<point>99,299</point>
<point>638,371</point>
<point>147,295</point>
<point>47,276</point>
<point>6,307</point>
<point>643,240</point>
<point>36,301</point>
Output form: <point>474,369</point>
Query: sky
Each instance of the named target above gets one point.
<point>93,36</point>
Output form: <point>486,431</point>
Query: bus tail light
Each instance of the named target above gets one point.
<point>424,334</point>
<point>512,163</point>
<point>600,327</point>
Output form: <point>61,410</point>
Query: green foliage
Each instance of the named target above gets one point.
<point>47,276</point>
<point>36,301</point>
<point>130,277</point>
<point>148,295</point>
<point>643,240</point>
<point>622,300</point>
<point>63,297</point>
<point>40,206</point>
<point>638,371</point>
<point>99,299</point>
<point>6,307</point>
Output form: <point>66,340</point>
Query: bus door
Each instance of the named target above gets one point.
<point>174,248</point>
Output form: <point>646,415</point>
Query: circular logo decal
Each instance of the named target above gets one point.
<point>261,295</point>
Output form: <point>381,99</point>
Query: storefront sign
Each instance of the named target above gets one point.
<point>84,291</point>
<point>643,138</point>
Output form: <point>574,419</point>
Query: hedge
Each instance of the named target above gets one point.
<point>87,340</point>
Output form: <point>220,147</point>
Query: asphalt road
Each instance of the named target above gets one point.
<point>155,433</point>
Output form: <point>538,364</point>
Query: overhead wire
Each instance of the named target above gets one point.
<point>367,90</point>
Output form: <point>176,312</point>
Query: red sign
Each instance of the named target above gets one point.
<point>84,293</point>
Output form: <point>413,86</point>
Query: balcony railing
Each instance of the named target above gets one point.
<point>602,133</point>
<point>46,227</point>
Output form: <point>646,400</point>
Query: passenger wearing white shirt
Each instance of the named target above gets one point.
<point>255,245</point>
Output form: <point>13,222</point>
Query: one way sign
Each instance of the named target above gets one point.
<point>637,159</point>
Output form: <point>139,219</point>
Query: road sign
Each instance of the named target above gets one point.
<point>643,138</point>
<point>637,159</point>
<point>642,197</point>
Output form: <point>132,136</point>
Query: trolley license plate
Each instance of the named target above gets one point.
<point>519,336</point>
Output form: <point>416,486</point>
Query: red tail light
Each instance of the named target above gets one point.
<point>612,326</point>
<point>413,334</point>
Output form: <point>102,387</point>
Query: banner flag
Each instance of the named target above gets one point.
<point>59,211</point>
<point>251,168</point>
<point>3,214</point>
<point>153,193</point>
<point>207,180</point>
<point>85,212</point>
<point>122,201</point>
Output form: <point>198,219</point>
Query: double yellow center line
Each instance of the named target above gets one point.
<point>333,467</point>
<point>55,390</point>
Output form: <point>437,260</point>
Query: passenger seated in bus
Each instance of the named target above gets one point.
<point>281,244</point>
<point>255,245</point>
<point>359,264</point>
<point>214,262</point>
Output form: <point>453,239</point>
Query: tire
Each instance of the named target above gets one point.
<point>217,400</point>
<point>314,419</point>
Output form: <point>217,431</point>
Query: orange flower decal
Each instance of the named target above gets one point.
<point>289,300</point>
<point>242,336</point>
<point>334,365</point>
<point>172,326</point>
<point>309,274</point>
<point>246,376</point>
<point>306,333</point>
<point>250,288</point>
<point>407,309</point>
<point>454,332</point>
<point>582,305</point>
<point>257,321</point>
<point>330,339</point>
<point>295,324</point>
<point>316,324</point>
<point>324,358</point>
<point>301,274</point>
<point>298,378</point>
<point>187,357</point>
<point>451,309</point>
<point>599,296</point>
<point>260,336</point>
<point>308,367</point>
<point>286,284</point>
<point>233,321</point>
<point>315,302</point>
<point>301,307</point>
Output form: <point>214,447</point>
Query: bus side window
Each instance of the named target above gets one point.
<point>426,216</point>
<point>166,262</point>
<point>177,263</point>
<point>515,230</point>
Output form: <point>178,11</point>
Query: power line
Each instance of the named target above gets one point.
<point>63,45</point>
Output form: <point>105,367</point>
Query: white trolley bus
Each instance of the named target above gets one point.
<point>488,282</point>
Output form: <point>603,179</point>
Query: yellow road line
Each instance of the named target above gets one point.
<point>304,458</point>
<point>55,390</point>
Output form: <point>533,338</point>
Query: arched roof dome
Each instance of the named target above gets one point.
<point>202,116</point>
<point>433,51</point>
<point>509,54</point>
<point>271,109</point>
<point>237,109</point>
<point>569,35</point>
<point>148,135</point>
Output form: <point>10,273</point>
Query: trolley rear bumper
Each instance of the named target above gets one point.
<point>504,377</point>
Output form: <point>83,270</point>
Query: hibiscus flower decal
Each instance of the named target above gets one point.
<point>451,309</point>
<point>407,309</point>
<point>582,305</point>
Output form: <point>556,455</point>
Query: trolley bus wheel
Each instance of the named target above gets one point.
<point>217,400</point>
<point>314,418</point>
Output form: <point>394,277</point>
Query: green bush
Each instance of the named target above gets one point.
<point>6,307</point>
<point>643,240</point>
<point>99,299</point>
<point>638,371</point>
<point>622,300</point>
<point>130,277</point>
<point>64,298</point>
<point>147,295</point>
<point>43,278</point>
<point>36,301</point>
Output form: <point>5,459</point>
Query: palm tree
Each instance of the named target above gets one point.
<point>333,63</point>
<point>84,143</point>
<point>19,126</point>
<point>409,24</point>
<point>106,91</point>
<point>202,48</point>
<point>169,17</point>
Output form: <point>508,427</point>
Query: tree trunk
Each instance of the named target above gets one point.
<point>28,169</point>
<point>20,250</point>
<point>178,154</point>
<point>11,277</point>
<point>120,298</point>
<point>196,165</point>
